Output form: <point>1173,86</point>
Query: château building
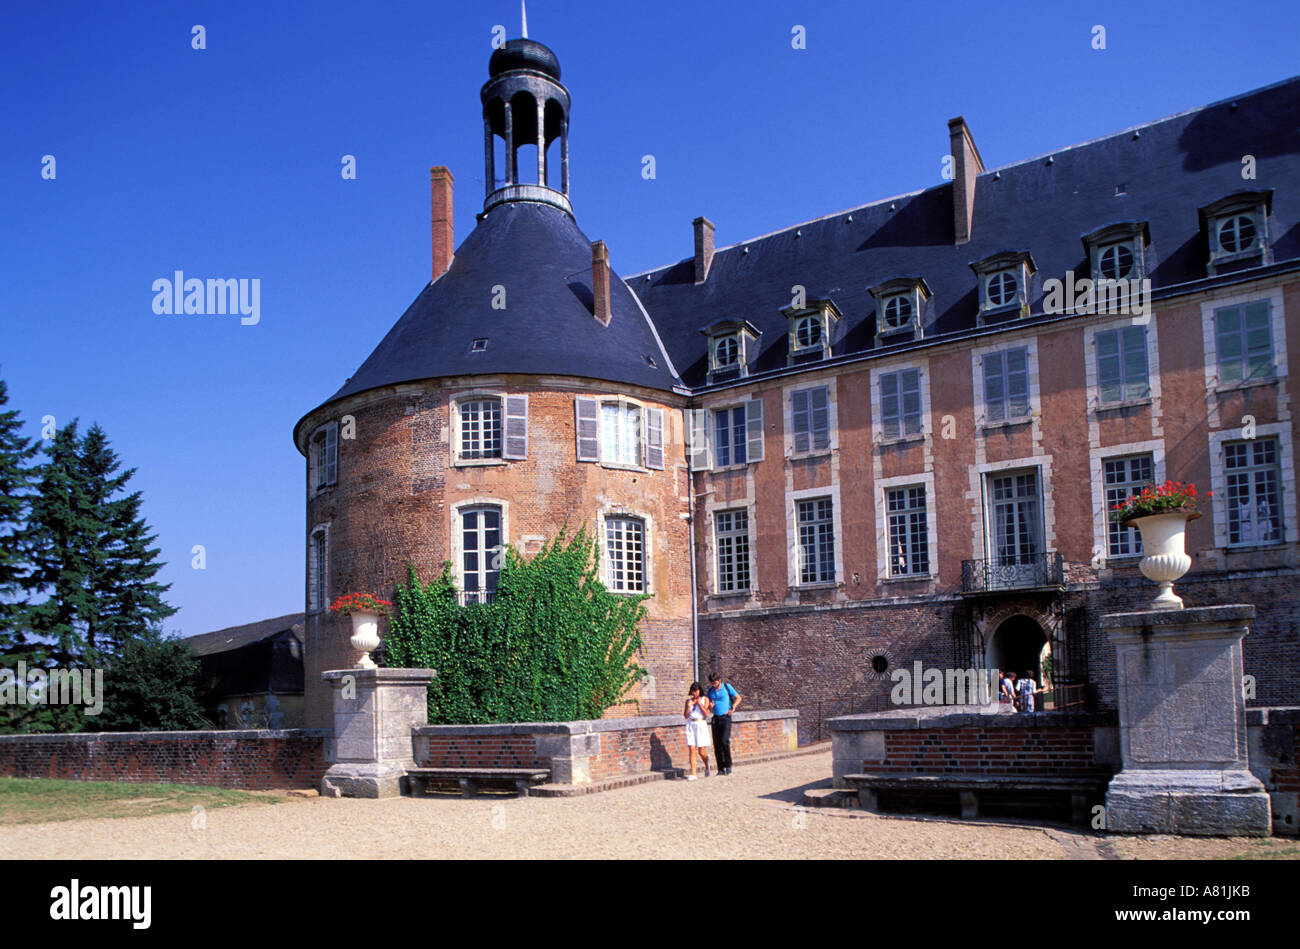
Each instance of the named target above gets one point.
<point>878,437</point>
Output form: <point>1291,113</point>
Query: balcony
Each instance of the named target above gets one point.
<point>1044,571</point>
<point>475,597</point>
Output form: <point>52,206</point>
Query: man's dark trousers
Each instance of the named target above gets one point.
<point>722,741</point>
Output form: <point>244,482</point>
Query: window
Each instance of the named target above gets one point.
<point>1122,364</point>
<point>1017,520</point>
<point>1236,234</point>
<point>618,432</point>
<point>729,426</point>
<point>816,541</point>
<point>1006,384</point>
<point>1124,477</point>
<point>1000,288</point>
<point>1116,262</point>
<point>731,532</point>
<point>909,551</point>
<point>317,598</point>
<point>481,552</point>
<point>808,333</point>
<point>900,403</point>
<point>1244,336</point>
<point>625,554</point>
<point>480,429</point>
<point>726,353</point>
<point>810,415</point>
<point>898,311</point>
<point>1254,503</point>
<point>324,458</point>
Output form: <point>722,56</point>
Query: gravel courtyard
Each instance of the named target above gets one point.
<point>753,811</point>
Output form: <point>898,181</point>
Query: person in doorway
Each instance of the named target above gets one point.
<point>1008,696</point>
<point>1027,689</point>
<point>696,714</point>
<point>725,700</point>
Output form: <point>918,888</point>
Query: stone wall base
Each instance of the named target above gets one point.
<point>1229,803</point>
<point>371,779</point>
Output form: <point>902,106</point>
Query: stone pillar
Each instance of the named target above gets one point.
<point>374,712</point>
<point>1182,725</point>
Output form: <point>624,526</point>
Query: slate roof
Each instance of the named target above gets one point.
<point>236,637</point>
<point>1167,170</point>
<point>543,260</point>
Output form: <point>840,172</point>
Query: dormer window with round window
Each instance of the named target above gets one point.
<point>811,331</point>
<point>899,306</point>
<point>898,312</point>
<point>1116,262</point>
<point>727,352</point>
<point>732,346</point>
<point>1236,228</point>
<point>1004,284</point>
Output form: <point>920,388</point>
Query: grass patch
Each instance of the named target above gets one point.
<point>37,800</point>
<point>1271,849</point>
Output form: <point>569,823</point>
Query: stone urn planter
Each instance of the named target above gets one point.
<point>1165,557</point>
<point>365,636</point>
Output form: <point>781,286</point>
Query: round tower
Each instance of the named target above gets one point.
<point>523,392</point>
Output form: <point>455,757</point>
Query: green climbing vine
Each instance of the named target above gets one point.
<point>554,645</point>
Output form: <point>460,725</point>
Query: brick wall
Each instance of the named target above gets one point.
<point>578,752</point>
<point>1047,750</point>
<point>252,760</point>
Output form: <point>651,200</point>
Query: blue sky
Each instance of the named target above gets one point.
<point>225,162</point>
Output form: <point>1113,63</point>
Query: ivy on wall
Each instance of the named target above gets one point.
<point>554,645</point>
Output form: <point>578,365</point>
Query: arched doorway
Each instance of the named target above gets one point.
<point>1018,645</point>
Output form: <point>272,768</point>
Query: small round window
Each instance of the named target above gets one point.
<point>1001,288</point>
<point>898,311</point>
<point>1116,262</point>
<point>727,352</point>
<point>1236,234</point>
<point>808,332</point>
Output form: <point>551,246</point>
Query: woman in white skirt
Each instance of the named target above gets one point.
<point>698,737</point>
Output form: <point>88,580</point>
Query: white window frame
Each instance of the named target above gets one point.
<point>318,457</point>
<point>458,445</point>
<point>607,565</point>
<point>885,553</point>
<point>651,448</point>
<point>1100,509</point>
<point>748,558</point>
<point>457,513</point>
<point>1286,491</point>
<point>318,596</point>
<point>1210,338</point>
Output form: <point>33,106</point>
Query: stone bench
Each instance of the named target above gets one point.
<point>470,780</point>
<point>969,786</point>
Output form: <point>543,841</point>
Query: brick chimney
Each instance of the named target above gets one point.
<point>600,281</point>
<point>966,166</point>
<point>703,248</point>
<point>444,245</point>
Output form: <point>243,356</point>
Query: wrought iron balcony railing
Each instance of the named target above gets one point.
<point>474,597</point>
<point>1021,572</point>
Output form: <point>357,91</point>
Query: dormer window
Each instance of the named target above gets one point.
<point>810,330</point>
<point>731,349</point>
<point>1004,284</point>
<point>1117,251</point>
<point>899,304</point>
<point>1237,231</point>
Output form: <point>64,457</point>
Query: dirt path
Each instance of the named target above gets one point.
<point>753,810</point>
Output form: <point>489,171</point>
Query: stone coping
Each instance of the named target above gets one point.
<point>257,733</point>
<point>1189,616</point>
<point>591,725</point>
<point>383,674</point>
<point>942,717</point>
<point>1274,715</point>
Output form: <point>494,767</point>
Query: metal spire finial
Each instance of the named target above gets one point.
<point>523,14</point>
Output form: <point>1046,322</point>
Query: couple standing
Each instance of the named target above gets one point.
<point>720,700</point>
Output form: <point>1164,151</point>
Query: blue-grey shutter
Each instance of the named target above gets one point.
<point>754,430</point>
<point>515,442</point>
<point>1018,383</point>
<point>801,421</point>
<point>994,393</point>
<point>821,427</point>
<point>910,399</point>
<point>889,405</point>
<point>332,453</point>
<point>697,428</point>
<point>588,428</point>
<point>1109,374</point>
<point>1136,384</point>
<point>654,438</point>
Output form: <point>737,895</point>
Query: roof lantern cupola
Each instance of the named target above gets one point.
<point>526,106</point>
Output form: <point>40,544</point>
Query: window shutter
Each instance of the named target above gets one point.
<point>889,405</point>
<point>332,453</point>
<point>911,402</point>
<point>697,425</point>
<point>754,430</point>
<point>800,421</point>
<point>1018,383</point>
<point>588,429</point>
<point>654,440</point>
<point>515,442</point>
<point>821,428</point>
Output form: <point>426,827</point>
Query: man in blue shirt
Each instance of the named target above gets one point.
<point>725,700</point>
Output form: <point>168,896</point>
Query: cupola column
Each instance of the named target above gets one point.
<point>490,172</point>
<point>541,142</point>
<point>564,155</point>
<point>510,145</point>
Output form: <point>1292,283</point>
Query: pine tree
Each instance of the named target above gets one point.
<point>16,477</point>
